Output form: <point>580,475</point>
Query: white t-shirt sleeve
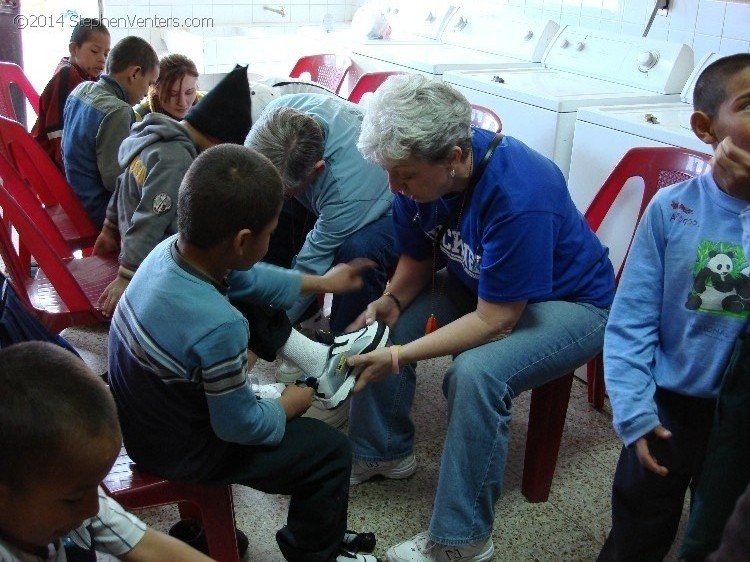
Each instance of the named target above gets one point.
<point>113,531</point>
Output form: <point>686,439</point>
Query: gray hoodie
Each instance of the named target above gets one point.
<point>155,158</point>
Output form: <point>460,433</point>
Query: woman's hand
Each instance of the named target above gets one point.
<point>383,309</point>
<point>376,366</point>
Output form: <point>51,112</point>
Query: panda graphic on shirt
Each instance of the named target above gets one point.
<point>721,280</point>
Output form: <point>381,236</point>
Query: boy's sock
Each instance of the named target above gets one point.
<point>308,355</point>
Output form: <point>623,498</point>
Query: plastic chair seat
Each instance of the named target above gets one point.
<point>369,82</point>
<point>69,230</point>
<point>485,118</point>
<point>326,69</point>
<point>213,505</point>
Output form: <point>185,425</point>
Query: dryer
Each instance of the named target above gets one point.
<point>473,38</point>
<point>580,68</point>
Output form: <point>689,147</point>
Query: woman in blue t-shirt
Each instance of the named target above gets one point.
<point>523,298</point>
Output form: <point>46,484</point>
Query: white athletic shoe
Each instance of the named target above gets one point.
<point>420,548</point>
<point>394,470</point>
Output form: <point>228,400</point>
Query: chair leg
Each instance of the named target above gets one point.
<point>217,513</point>
<point>549,404</point>
<point>596,382</point>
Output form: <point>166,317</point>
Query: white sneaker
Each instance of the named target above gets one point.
<point>420,548</point>
<point>338,378</point>
<point>288,372</point>
<point>395,470</point>
<point>268,391</point>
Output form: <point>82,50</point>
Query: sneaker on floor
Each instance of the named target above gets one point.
<point>346,556</point>
<point>288,372</point>
<point>268,391</point>
<point>335,418</point>
<point>395,470</point>
<point>337,381</point>
<point>420,548</point>
<point>358,542</point>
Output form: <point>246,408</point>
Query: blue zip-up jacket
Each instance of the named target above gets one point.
<point>96,119</point>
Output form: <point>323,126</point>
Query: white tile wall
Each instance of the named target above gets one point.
<point>703,24</point>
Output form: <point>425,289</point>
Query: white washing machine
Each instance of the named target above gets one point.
<point>473,38</point>
<point>602,137</point>
<point>580,68</point>
<point>411,22</point>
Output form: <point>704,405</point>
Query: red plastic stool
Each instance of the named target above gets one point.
<point>211,504</point>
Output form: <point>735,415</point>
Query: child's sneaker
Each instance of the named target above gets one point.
<point>288,372</point>
<point>268,391</point>
<point>420,548</point>
<point>394,470</point>
<point>337,381</point>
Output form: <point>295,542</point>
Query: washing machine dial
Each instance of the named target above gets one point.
<point>528,35</point>
<point>580,46</point>
<point>647,60</point>
<point>564,44</point>
<point>461,24</point>
<point>430,18</point>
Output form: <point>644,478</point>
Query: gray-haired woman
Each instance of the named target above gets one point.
<point>523,298</point>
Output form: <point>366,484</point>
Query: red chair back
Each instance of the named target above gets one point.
<point>328,70</point>
<point>368,83</point>
<point>657,167</point>
<point>48,185</point>
<point>12,74</point>
<point>63,291</point>
<point>485,118</point>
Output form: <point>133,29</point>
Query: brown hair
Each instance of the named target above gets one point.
<point>172,69</point>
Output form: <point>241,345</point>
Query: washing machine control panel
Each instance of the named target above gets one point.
<point>649,64</point>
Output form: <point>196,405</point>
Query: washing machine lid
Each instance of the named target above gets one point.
<point>436,59</point>
<point>550,89</point>
<point>641,62</point>
<point>664,122</point>
<point>687,91</point>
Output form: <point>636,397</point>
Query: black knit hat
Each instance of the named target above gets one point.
<point>224,112</point>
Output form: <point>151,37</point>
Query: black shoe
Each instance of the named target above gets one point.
<point>358,542</point>
<point>190,532</point>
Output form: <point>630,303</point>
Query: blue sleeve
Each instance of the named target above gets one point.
<point>266,284</point>
<point>410,239</point>
<point>237,416</point>
<point>632,334</point>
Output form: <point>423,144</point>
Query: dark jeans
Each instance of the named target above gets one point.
<point>312,464</point>
<point>726,471</point>
<point>646,508</point>
<point>269,328</point>
<point>374,241</point>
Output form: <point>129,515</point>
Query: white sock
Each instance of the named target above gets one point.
<point>308,355</point>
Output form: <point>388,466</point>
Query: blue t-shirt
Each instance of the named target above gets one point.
<point>520,235</point>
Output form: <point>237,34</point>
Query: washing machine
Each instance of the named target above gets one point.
<point>411,22</point>
<point>581,67</point>
<point>474,37</point>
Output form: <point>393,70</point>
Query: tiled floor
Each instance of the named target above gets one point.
<point>571,526</point>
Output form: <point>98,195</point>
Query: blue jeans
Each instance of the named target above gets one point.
<point>550,340</point>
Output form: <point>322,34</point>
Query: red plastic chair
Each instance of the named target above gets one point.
<point>211,504</point>
<point>12,74</point>
<point>368,83</point>
<point>63,291</point>
<point>658,167</point>
<point>47,183</point>
<point>326,69</point>
<point>485,118</point>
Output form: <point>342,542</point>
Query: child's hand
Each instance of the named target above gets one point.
<point>111,295</point>
<point>346,277</point>
<point>731,169</point>
<point>107,242</point>
<point>657,436</point>
<point>296,400</point>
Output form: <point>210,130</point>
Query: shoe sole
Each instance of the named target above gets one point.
<point>381,336</point>
<point>394,474</point>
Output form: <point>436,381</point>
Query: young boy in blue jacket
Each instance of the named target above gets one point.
<point>680,307</point>
<point>178,357</point>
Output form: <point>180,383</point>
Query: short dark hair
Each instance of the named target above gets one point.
<point>132,51</point>
<point>85,28</point>
<point>293,141</point>
<point>49,397</point>
<point>226,189</point>
<point>711,86</point>
<point>173,68</point>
